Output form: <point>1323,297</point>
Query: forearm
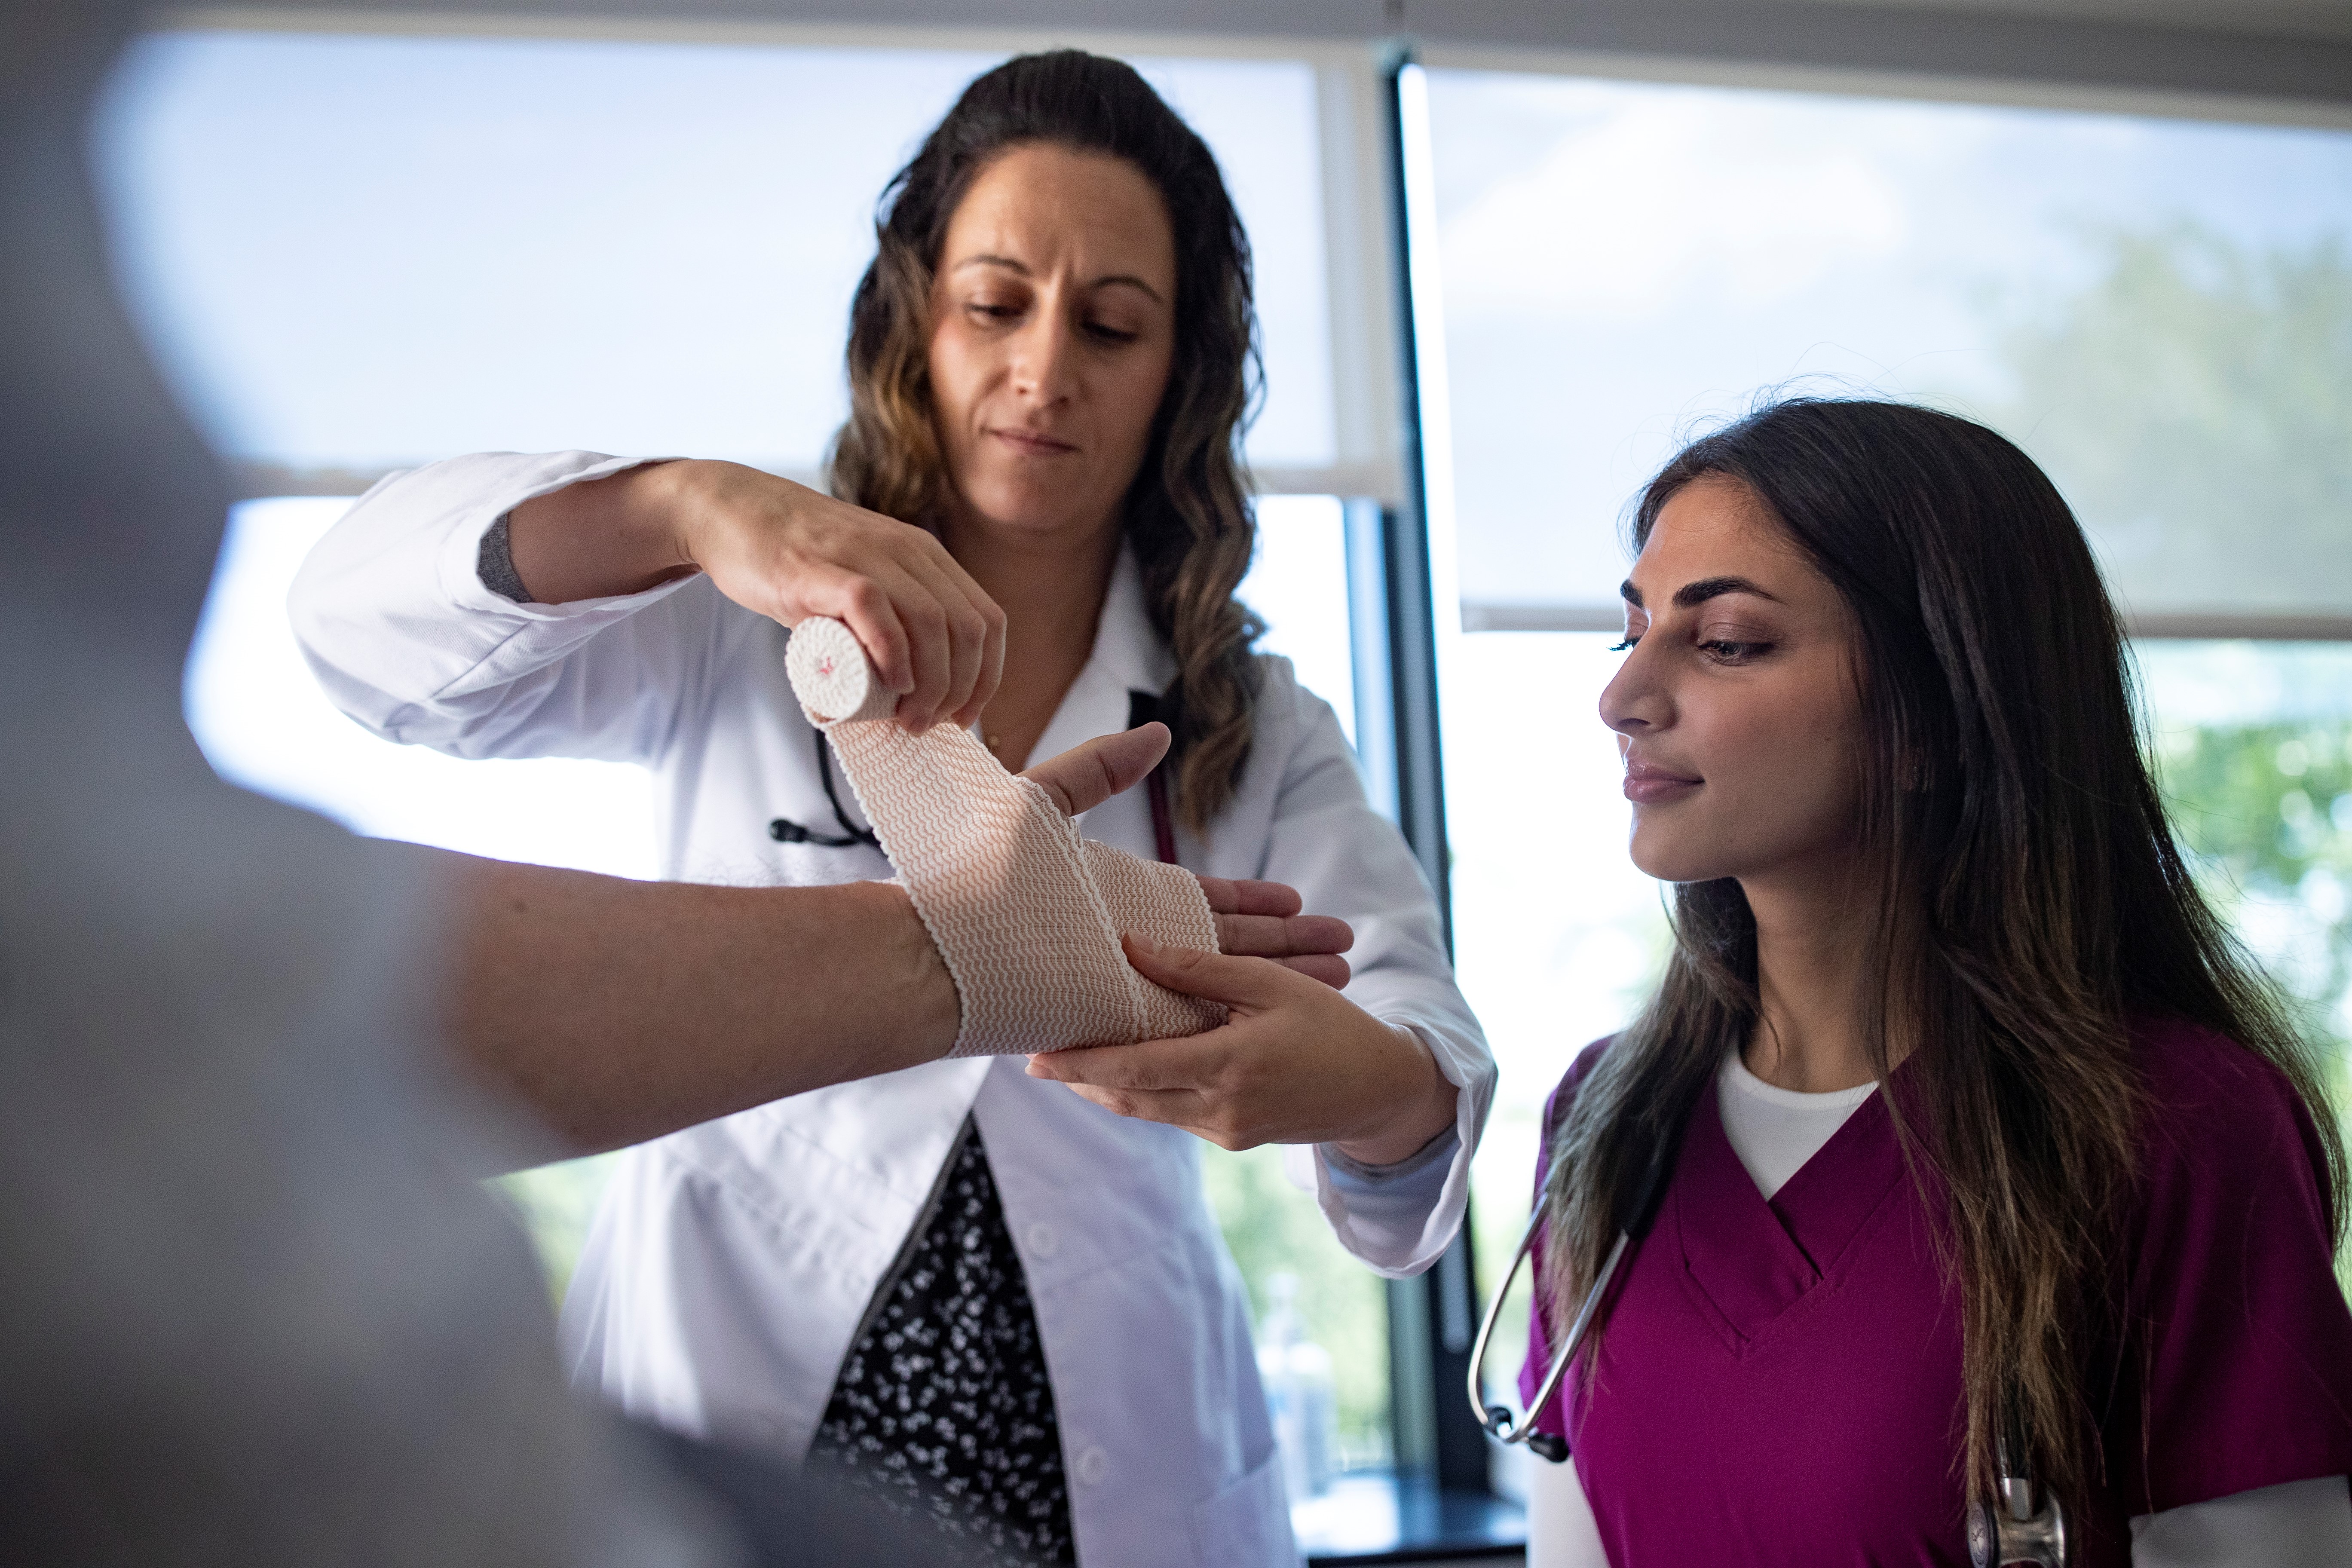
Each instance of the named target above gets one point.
<point>615,1010</point>
<point>603,538</point>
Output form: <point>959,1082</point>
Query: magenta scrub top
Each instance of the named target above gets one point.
<point>1779,1382</point>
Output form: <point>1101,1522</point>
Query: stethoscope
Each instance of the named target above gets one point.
<point>784,830</point>
<point>2020,1524</point>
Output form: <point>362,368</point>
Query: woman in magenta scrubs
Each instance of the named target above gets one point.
<point>1981,1122</point>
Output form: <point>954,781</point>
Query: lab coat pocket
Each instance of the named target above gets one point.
<point>1246,1522</point>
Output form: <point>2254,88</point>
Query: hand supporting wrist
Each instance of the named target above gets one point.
<point>1418,1115</point>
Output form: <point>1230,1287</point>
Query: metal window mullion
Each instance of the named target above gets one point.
<point>1430,1316</point>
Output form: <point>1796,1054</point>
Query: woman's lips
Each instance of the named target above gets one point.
<point>1648,785</point>
<point>1033,443</point>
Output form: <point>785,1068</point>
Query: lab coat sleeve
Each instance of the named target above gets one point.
<point>392,615</point>
<point>1347,860</point>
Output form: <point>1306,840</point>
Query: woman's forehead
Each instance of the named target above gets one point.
<point>1715,528</point>
<point>1045,208</point>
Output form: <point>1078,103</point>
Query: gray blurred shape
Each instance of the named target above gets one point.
<point>254,1309</point>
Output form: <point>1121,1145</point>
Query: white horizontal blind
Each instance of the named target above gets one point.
<point>2161,312</point>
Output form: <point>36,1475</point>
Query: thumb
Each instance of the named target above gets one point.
<point>1252,983</point>
<point>1087,775</point>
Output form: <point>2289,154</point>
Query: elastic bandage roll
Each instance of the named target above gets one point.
<point>1025,912</point>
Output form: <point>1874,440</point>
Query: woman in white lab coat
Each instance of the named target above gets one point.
<point>997,1300</point>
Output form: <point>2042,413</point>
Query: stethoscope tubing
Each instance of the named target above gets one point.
<point>1498,1419</point>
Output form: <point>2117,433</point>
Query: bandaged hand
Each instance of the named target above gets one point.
<point>1026,915</point>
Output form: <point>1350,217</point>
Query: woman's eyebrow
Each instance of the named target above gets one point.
<point>1691,595</point>
<point>1010,265</point>
<point>1131,281</point>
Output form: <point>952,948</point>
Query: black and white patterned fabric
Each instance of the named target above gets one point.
<point>943,1412</point>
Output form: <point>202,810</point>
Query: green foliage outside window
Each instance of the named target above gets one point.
<point>2266,811</point>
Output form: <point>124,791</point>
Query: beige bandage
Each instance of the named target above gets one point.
<point>1027,913</point>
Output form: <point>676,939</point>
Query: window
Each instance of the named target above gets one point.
<point>2157,310</point>
<point>2154,309</point>
<point>2254,751</point>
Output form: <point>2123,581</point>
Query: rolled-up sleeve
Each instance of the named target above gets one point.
<point>1346,859</point>
<point>392,615</point>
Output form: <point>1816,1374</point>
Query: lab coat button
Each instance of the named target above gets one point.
<point>1043,1241</point>
<point>1093,1465</point>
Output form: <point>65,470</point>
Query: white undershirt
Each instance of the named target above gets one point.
<point>1775,1131</point>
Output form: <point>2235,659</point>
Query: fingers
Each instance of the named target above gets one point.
<point>1172,1082</point>
<point>988,672</point>
<point>1309,944</point>
<point>952,623</point>
<point>1251,985</point>
<point>1228,897</point>
<point>935,637</point>
<point>1327,967</point>
<point>1148,1067</point>
<point>1267,936</point>
<point>1086,775</point>
<point>861,605</point>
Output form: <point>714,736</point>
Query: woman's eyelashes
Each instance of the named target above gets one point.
<point>998,312</point>
<point>1722,650</point>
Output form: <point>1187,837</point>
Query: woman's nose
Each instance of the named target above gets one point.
<point>1635,700</point>
<point>1044,353</point>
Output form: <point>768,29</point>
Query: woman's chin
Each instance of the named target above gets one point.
<point>1668,862</point>
<point>1034,514</point>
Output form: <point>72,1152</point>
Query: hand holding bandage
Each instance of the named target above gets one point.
<point>1026,914</point>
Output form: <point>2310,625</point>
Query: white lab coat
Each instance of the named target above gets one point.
<point>730,1264</point>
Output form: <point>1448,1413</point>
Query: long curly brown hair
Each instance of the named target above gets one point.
<point>2034,903</point>
<point>1188,513</point>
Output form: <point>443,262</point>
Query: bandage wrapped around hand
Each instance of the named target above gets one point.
<point>1027,914</point>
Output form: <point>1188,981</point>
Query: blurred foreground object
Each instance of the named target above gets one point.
<point>257,1309</point>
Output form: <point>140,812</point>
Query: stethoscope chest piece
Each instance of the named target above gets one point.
<point>1997,1538</point>
<point>2010,1529</point>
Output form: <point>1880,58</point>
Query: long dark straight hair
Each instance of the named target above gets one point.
<point>1188,515</point>
<point>2033,904</point>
